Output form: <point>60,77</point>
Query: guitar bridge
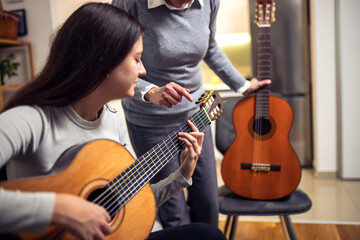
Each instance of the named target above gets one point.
<point>260,167</point>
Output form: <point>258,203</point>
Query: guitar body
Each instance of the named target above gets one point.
<point>93,167</point>
<point>261,165</point>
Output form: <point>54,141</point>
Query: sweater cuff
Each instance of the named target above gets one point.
<point>26,212</point>
<point>183,182</point>
<point>145,90</point>
<point>244,87</point>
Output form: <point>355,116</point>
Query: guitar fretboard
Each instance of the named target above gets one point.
<point>263,72</point>
<point>138,174</point>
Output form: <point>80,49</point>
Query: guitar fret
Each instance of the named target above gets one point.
<point>181,143</point>
<point>167,148</point>
<point>147,163</point>
<point>145,168</point>
<point>152,159</point>
<point>199,121</point>
<point>264,56</point>
<point>136,173</point>
<point>162,154</point>
<point>264,69</point>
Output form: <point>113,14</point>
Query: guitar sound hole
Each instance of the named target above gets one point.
<point>106,199</point>
<point>262,126</point>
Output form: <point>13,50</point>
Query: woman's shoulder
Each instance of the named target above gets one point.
<point>31,115</point>
<point>27,111</point>
<point>24,122</point>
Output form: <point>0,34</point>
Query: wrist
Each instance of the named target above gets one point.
<point>147,96</point>
<point>185,173</point>
<point>244,87</point>
<point>58,217</point>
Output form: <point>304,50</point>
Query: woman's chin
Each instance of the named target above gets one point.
<point>130,94</point>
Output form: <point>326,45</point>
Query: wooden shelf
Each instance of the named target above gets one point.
<point>4,43</point>
<point>12,86</point>
<point>11,42</point>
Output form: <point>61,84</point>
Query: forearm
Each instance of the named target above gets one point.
<point>166,188</point>
<point>25,212</point>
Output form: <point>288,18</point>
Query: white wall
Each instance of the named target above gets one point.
<point>335,64</point>
<point>233,17</point>
<point>348,64</point>
<point>62,9</point>
<point>322,32</point>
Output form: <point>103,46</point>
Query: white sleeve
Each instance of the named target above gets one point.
<point>21,130</point>
<point>245,87</point>
<point>25,212</point>
<point>145,90</point>
<point>166,188</point>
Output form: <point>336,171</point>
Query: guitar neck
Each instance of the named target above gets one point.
<point>263,72</point>
<point>135,177</point>
<point>264,53</point>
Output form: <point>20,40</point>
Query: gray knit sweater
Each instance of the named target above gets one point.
<point>175,42</point>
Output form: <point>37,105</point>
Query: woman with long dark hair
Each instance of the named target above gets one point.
<point>94,58</point>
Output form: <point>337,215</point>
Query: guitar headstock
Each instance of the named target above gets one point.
<point>264,12</point>
<point>212,103</point>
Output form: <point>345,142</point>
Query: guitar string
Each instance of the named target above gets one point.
<point>266,95</point>
<point>119,178</point>
<point>149,169</point>
<point>171,138</point>
<point>123,178</point>
<point>264,37</point>
<point>139,181</point>
<point>175,132</point>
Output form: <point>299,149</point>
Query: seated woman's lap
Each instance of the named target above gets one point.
<point>194,231</point>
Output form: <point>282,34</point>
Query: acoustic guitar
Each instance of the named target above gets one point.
<point>105,173</point>
<point>261,163</point>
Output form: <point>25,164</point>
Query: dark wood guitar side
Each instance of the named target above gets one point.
<point>261,163</point>
<point>93,174</point>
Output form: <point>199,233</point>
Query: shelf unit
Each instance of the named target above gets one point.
<point>4,43</point>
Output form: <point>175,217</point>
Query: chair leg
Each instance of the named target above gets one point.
<point>226,228</point>
<point>287,227</point>
<point>233,227</point>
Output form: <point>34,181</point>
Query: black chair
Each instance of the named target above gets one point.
<point>234,206</point>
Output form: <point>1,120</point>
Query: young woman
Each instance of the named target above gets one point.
<point>94,58</point>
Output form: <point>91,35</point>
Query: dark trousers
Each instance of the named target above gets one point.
<point>195,231</point>
<point>202,199</point>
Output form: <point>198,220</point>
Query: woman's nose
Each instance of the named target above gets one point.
<point>142,71</point>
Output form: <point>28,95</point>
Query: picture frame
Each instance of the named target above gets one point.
<point>22,26</point>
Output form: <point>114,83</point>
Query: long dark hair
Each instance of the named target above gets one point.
<point>91,43</point>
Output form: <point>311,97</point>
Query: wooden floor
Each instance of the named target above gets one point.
<point>304,231</point>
